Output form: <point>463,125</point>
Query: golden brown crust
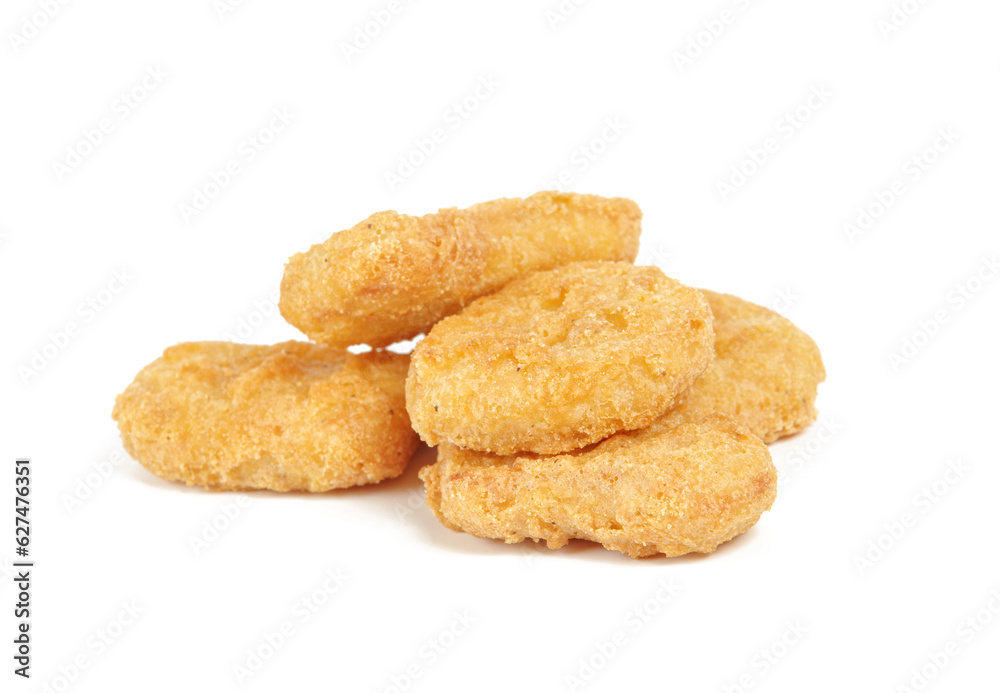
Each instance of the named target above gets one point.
<point>392,276</point>
<point>766,370</point>
<point>560,359</point>
<point>676,487</point>
<point>288,417</point>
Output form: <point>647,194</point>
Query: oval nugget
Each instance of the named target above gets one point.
<point>765,373</point>
<point>393,276</point>
<point>288,417</point>
<point>560,359</point>
<point>675,487</point>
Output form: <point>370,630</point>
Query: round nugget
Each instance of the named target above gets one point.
<point>287,417</point>
<point>393,276</point>
<point>559,359</point>
<point>766,370</point>
<point>675,487</point>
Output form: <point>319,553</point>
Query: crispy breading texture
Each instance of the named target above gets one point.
<point>560,359</point>
<point>288,417</point>
<point>676,487</point>
<point>766,370</point>
<point>393,276</point>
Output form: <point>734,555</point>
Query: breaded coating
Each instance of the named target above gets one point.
<point>765,373</point>
<point>560,359</point>
<point>288,417</point>
<point>393,276</point>
<point>676,487</point>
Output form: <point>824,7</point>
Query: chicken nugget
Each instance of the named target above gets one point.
<point>766,370</point>
<point>288,417</point>
<point>393,276</point>
<point>676,487</point>
<point>560,359</point>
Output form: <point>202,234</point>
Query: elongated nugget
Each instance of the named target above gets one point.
<point>560,359</point>
<point>766,370</point>
<point>675,487</point>
<point>393,276</point>
<point>288,417</point>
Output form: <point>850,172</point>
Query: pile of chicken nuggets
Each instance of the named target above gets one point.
<point>570,393</point>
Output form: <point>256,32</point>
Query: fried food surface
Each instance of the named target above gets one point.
<point>288,417</point>
<point>675,487</point>
<point>392,276</point>
<point>766,370</point>
<point>560,359</point>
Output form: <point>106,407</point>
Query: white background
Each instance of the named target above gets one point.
<point>886,433</point>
